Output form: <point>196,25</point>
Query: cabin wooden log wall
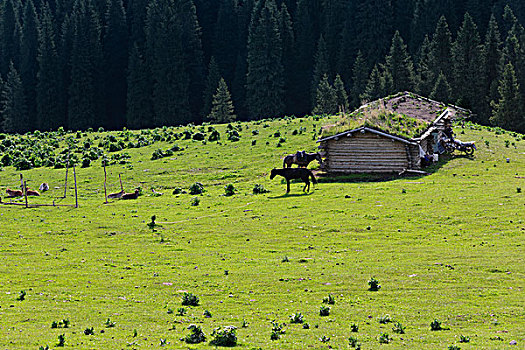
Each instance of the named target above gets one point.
<point>368,153</point>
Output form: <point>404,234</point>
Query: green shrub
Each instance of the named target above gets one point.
<point>464,339</point>
<point>195,201</point>
<point>189,299</point>
<point>229,190</point>
<point>259,189</point>
<point>384,338</point>
<point>384,319</point>
<point>89,331</point>
<point>435,325</point>
<point>86,162</point>
<point>22,164</point>
<point>324,310</point>
<point>453,347</point>
<point>214,136</point>
<point>61,340</point>
<point>206,314</point>
<point>21,295</point>
<point>109,323</point>
<point>181,311</point>
<point>373,285</point>
<point>196,335</point>
<point>226,336</point>
<point>329,299</point>
<point>354,328</point>
<point>296,318</point>
<point>196,188</point>
<point>398,328</point>
<point>198,136</point>
<point>353,342</point>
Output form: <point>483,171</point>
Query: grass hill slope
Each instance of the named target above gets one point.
<point>447,247</point>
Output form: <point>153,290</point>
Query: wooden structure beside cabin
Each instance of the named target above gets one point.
<point>370,149</point>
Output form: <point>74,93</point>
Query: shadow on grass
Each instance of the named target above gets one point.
<point>290,195</point>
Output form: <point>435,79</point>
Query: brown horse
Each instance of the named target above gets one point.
<point>294,173</point>
<point>132,195</point>
<point>302,159</point>
<point>13,193</point>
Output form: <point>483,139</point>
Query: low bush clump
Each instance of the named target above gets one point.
<point>353,342</point>
<point>435,325</point>
<point>384,319</point>
<point>296,318</point>
<point>229,190</point>
<point>384,338</point>
<point>226,336</point>
<point>259,189</point>
<point>373,285</point>
<point>196,335</point>
<point>398,328</point>
<point>324,310</point>
<point>196,188</point>
<point>329,299</point>
<point>189,299</point>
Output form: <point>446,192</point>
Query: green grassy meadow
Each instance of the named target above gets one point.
<point>448,246</point>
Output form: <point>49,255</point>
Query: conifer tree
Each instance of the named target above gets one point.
<point>341,98</point>
<point>139,93</point>
<point>10,34</point>
<point>212,83</point>
<point>507,111</point>
<point>466,52</point>
<point>225,43</point>
<point>265,77</point>
<point>441,91</point>
<point>359,79</point>
<point>373,88</point>
<point>333,20</point>
<point>288,41</point>
<point>49,113</point>
<point>166,58</point>
<point>374,25</point>
<point>425,75</point>
<point>28,60</point>
<point>222,110</point>
<point>399,65</point>
<point>326,99</point>
<point>492,58</point>
<point>14,113</point>
<point>115,46</point>
<point>321,66</point>
<point>85,105</point>
<point>440,56</point>
<point>65,47</point>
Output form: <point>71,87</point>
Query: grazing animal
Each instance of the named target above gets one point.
<point>132,195</point>
<point>294,173</point>
<point>302,159</point>
<point>13,193</point>
<point>44,187</point>
<point>32,193</point>
<point>116,195</point>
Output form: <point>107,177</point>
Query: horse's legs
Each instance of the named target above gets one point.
<point>307,184</point>
<point>287,185</point>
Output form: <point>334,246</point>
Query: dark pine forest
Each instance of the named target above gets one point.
<point>84,64</point>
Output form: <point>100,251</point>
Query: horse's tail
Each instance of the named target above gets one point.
<point>284,162</point>
<point>314,180</point>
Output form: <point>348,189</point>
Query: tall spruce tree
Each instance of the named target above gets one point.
<point>373,89</point>
<point>508,110</point>
<point>441,91</point>
<point>28,60</point>
<point>115,46</point>
<point>10,35</point>
<point>85,107</point>
<point>226,41</point>
<point>341,97</point>
<point>492,58</point>
<point>212,83</point>
<point>425,76</point>
<point>468,75</point>
<point>321,67</point>
<point>374,26</point>
<point>139,113</point>
<point>440,56</point>
<point>326,99</point>
<point>399,65</point>
<point>359,79</point>
<point>14,113</point>
<point>65,48</point>
<point>332,25</point>
<point>265,77</point>
<point>288,41</point>
<point>222,110</point>
<point>167,59</point>
<point>49,113</point>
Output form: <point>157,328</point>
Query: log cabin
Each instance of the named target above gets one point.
<point>390,135</point>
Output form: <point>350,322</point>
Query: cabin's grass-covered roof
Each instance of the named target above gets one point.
<point>405,114</point>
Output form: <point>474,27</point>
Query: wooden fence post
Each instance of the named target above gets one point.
<point>76,193</point>
<point>65,183</point>
<point>120,179</point>
<point>25,193</point>
<point>105,180</point>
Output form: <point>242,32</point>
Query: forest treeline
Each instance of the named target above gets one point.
<point>145,63</point>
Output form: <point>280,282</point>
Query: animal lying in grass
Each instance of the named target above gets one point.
<point>13,193</point>
<point>44,187</point>
<point>116,195</point>
<point>32,193</point>
<point>295,173</point>
<point>132,195</point>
